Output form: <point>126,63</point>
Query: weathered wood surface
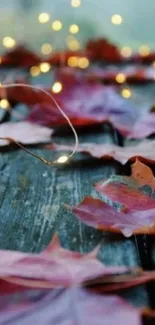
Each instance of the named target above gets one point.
<point>31,206</point>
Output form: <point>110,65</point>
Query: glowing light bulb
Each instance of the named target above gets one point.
<point>73,45</point>
<point>126,93</point>
<point>57,25</point>
<point>44,17</point>
<point>9,42</point>
<point>62,159</point>
<point>117,19</point>
<point>57,87</point>
<point>75,3</point>
<point>4,104</point>
<point>126,51</point>
<point>72,61</point>
<point>120,78</point>
<point>46,48</point>
<point>83,63</point>
<point>74,29</point>
<point>144,50</point>
<point>45,67</point>
<point>35,71</point>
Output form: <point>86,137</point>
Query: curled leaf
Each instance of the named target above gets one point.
<point>133,204</point>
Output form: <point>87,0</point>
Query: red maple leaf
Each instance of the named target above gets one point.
<point>86,103</point>
<point>54,267</point>
<point>20,57</point>
<point>102,49</point>
<point>136,211</point>
<point>69,307</point>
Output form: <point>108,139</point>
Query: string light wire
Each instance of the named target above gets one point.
<point>47,162</point>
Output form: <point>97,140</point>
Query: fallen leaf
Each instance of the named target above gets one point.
<point>20,57</point>
<point>69,307</point>
<point>102,49</point>
<point>102,216</point>
<point>87,103</point>
<point>133,204</point>
<point>24,132</point>
<point>143,127</point>
<point>54,267</point>
<point>145,150</point>
<point>132,75</point>
<point>135,191</point>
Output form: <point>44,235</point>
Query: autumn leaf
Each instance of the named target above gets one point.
<point>135,191</point>
<point>24,132</point>
<point>132,210</point>
<point>102,49</point>
<point>20,57</point>
<point>54,267</point>
<point>87,103</point>
<point>69,307</point>
<point>144,126</point>
<point>145,150</point>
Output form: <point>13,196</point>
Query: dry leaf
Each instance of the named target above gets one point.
<point>54,267</point>
<point>136,211</point>
<point>24,132</point>
<point>20,57</point>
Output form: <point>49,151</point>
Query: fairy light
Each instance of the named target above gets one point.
<point>75,3</point>
<point>57,87</point>
<point>35,71</point>
<point>72,61</point>
<point>74,29</point>
<point>126,51</point>
<point>43,18</point>
<point>126,93</point>
<point>120,78</point>
<point>46,48</point>
<point>83,63</point>
<point>144,50</point>
<point>43,160</point>
<point>73,45</point>
<point>57,25</point>
<point>117,19</point>
<point>45,67</point>
<point>62,159</point>
<point>4,104</point>
<point>9,42</point>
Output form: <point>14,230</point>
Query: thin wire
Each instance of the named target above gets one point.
<point>60,110</point>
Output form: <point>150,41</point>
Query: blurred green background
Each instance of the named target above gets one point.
<point>20,21</point>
